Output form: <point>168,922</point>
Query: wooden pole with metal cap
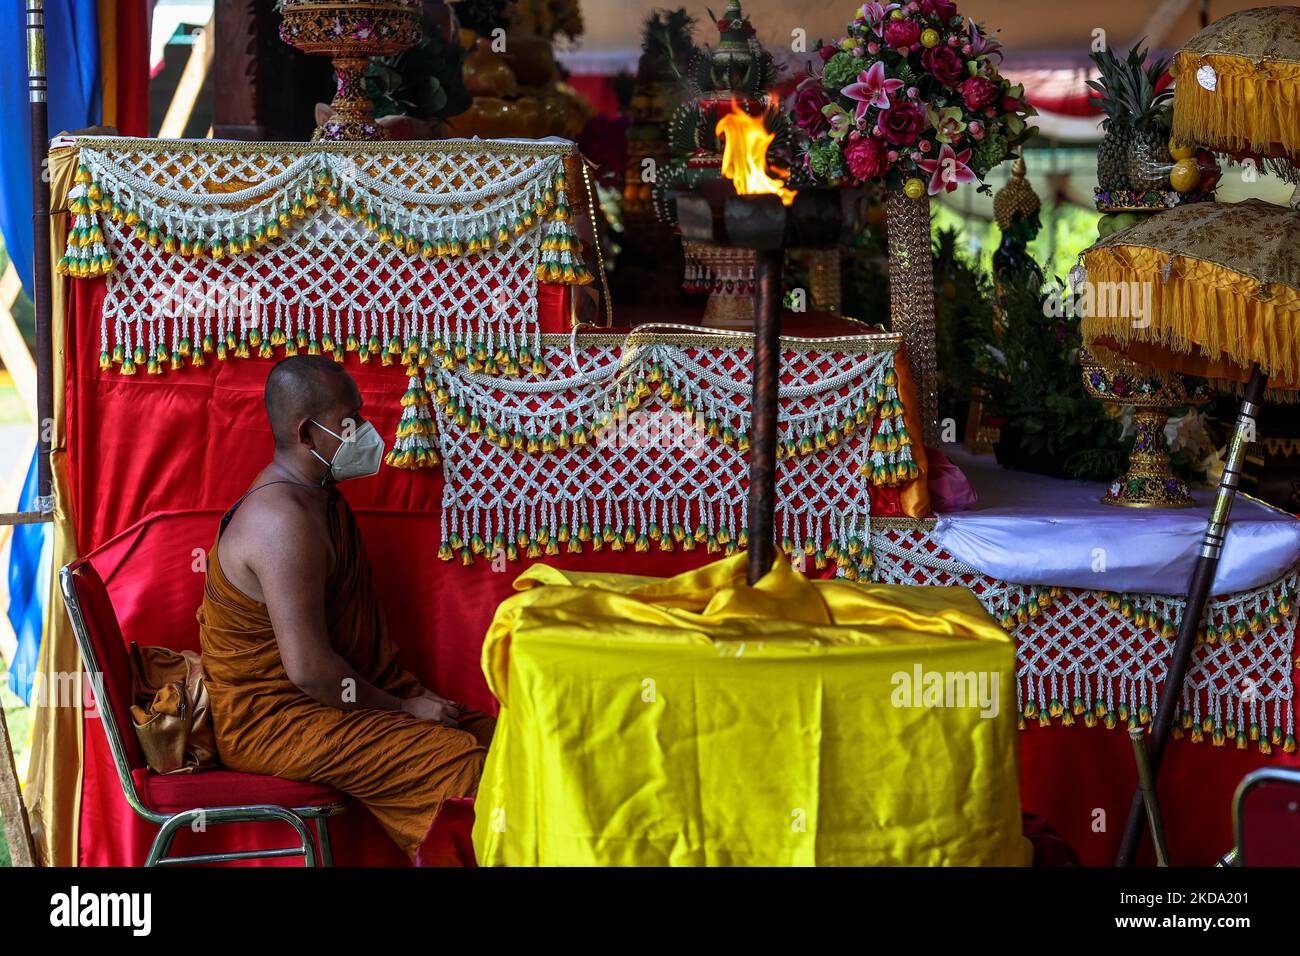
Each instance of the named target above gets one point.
<point>1207,562</point>
<point>42,296</point>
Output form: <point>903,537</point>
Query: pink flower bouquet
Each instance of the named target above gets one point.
<point>910,97</point>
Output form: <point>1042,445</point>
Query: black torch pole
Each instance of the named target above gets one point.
<point>763,430</point>
<point>1207,562</point>
<point>41,288</point>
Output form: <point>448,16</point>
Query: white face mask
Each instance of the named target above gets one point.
<point>357,457</point>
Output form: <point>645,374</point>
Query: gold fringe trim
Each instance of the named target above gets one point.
<point>1201,306</point>
<point>459,146</point>
<point>1254,106</point>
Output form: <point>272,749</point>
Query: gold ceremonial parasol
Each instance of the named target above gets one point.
<point>1206,289</point>
<point>1238,88</point>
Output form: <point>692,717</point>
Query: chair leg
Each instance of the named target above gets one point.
<point>323,838</point>
<point>162,843</point>
<point>159,851</point>
<point>309,857</point>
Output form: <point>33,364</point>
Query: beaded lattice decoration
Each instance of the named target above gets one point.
<point>1099,658</point>
<point>643,446</point>
<point>228,249</point>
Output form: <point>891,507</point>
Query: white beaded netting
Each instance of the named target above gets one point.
<point>1100,658</point>
<point>318,247</point>
<point>518,480</point>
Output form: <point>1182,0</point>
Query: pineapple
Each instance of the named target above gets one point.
<point>1149,157</point>
<point>1137,121</point>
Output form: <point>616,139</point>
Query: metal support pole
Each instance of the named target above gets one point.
<point>1207,562</point>
<point>41,290</point>
<point>1147,786</point>
<point>763,421</point>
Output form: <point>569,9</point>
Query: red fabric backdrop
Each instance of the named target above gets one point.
<point>133,67</point>
<point>187,444</point>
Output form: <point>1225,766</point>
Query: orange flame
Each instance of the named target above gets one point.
<point>744,156</point>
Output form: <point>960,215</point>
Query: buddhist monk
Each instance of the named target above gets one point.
<point>304,680</point>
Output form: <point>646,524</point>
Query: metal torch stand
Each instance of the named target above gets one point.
<point>812,219</point>
<point>763,429</point>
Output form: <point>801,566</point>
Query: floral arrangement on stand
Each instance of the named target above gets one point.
<point>910,98</point>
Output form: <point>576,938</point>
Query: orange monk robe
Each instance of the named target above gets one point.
<point>401,768</point>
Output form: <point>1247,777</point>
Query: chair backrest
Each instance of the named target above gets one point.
<point>107,663</point>
<point>1266,810</point>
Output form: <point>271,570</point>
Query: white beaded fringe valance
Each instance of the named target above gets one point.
<point>645,447</point>
<point>1099,658</point>
<point>233,249</point>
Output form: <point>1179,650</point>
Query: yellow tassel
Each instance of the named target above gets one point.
<point>1180,318</point>
<point>1217,116</point>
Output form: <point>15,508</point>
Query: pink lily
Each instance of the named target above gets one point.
<point>876,14</point>
<point>982,44</point>
<point>872,89</point>
<point>947,169</point>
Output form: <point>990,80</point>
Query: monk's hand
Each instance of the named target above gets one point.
<point>427,708</point>
<point>453,704</point>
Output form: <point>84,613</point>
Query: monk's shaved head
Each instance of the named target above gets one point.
<point>305,386</point>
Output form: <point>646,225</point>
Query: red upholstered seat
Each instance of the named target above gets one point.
<point>173,793</point>
<point>166,799</point>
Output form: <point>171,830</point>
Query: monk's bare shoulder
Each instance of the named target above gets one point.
<point>279,533</point>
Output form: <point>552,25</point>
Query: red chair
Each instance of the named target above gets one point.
<point>1266,811</point>
<point>173,801</point>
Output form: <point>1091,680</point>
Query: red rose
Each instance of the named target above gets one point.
<point>902,123</point>
<point>979,91</point>
<point>945,10</point>
<point>828,51</point>
<point>1011,104</point>
<point>945,65</point>
<point>808,103</point>
<point>902,33</point>
<point>866,158</point>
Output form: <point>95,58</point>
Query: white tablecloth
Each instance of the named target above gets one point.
<point>1031,529</point>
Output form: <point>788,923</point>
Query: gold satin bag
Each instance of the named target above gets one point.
<point>170,710</point>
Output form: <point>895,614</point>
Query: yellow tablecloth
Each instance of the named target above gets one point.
<point>697,721</point>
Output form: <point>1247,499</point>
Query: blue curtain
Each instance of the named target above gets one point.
<point>30,557</point>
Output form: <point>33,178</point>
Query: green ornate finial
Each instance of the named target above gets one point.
<point>734,27</point>
<point>733,62</point>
